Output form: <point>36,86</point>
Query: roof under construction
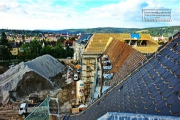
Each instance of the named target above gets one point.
<point>99,42</point>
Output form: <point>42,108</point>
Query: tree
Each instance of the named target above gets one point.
<point>59,51</point>
<point>72,38</point>
<point>4,47</point>
<point>69,51</point>
<point>47,50</point>
<point>23,38</point>
<point>35,48</point>
<point>4,40</point>
<point>25,52</point>
<point>5,53</point>
<point>61,40</point>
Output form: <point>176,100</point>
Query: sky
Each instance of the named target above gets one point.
<point>76,14</point>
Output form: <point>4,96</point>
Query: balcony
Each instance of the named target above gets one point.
<point>107,67</point>
<point>106,61</point>
<point>108,76</point>
<point>106,64</point>
<point>105,57</point>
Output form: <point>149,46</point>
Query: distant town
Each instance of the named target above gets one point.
<point>30,46</point>
<point>20,41</point>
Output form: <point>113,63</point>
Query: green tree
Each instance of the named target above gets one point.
<point>61,40</point>
<point>46,50</point>
<point>35,48</point>
<point>4,40</point>
<point>69,51</point>
<point>4,47</point>
<point>59,50</point>
<point>72,38</point>
<point>23,38</point>
<point>25,52</point>
<point>5,53</point>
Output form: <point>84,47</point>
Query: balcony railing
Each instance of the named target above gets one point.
<point>105,61</point>
<point>108,76</point>
<point>107,67</point>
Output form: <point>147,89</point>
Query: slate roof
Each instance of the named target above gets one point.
<point>122,54</point>
<point>152,88</point>
<point>84,38</point>
<point>127,65</point>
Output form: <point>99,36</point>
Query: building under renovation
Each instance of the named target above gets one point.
<point>119,49</point>
<point>150,90</point>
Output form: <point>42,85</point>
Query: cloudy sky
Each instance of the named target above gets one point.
<point>65,14</point>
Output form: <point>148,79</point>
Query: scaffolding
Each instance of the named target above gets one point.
<point>88,70</point>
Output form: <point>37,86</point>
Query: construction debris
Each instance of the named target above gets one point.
<point>26,77</point>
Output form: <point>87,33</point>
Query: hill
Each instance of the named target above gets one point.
<point>158,31</point>
<point>154,31</point>
<point>166,31</point>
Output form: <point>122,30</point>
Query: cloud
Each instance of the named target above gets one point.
<point>40,14</point>
<point>4,7</point>
<point>129,13</point>
<point>123,14</point>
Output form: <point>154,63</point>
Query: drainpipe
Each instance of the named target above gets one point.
<point>102,77</point>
